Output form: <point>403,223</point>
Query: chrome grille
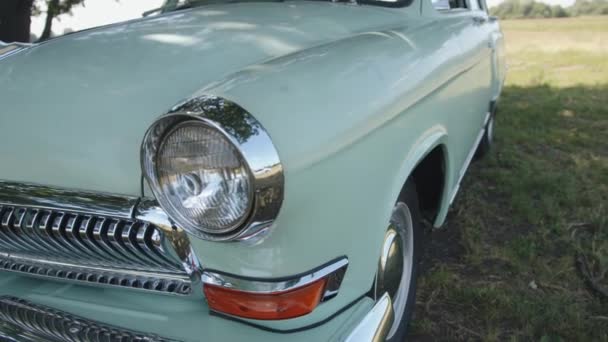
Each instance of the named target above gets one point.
<point>92,238</point>
<point>21,320</point>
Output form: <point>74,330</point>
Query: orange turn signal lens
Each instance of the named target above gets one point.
<point>265,306</point>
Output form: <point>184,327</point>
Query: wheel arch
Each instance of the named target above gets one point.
<point>430,151</point>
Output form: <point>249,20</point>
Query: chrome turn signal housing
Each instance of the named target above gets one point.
<point>273,299</point>
<point>214,169</point>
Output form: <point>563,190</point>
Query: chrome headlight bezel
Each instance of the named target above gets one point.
<point>251,141</point>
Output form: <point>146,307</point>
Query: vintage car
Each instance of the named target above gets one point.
<point>237,170</point>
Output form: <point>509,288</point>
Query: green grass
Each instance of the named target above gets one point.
<point>576,24</point>
<point>506,265</point>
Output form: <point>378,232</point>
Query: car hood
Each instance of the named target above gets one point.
<point>73,110</point>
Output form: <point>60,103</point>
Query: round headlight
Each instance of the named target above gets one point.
<point>213,169</point>
<point>204,180</point>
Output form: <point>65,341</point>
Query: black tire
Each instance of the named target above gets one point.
<point>488,138</point>
<point>410,198</point>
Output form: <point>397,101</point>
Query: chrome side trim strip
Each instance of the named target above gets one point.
<point>470,156</point>
<point>12,48</point>
<point>21,321</point>
<point>376,324</point>
<point>334,271</point>
<point>253,142</point>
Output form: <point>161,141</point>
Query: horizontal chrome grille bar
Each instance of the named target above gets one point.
<point>44,197</point>
<point>21,320</point>
<point>152,282</point>
<point>91,237</point>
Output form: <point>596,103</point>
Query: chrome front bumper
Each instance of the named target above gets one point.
<point>376,324</point>
<point>21,320</point>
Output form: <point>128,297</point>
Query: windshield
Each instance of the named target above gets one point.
<point>173,5</point>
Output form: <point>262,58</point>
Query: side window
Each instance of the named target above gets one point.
<point>445,5</point>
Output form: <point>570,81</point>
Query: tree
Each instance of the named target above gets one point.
<point>15,18</point>
<point>590,7</point>
<point>540,10</point>
<point>55,8</point>
<point>532,9</point>
<point>512,9</point>
<point>558,11</point>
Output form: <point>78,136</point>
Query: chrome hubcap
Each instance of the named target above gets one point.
<point>390,268</point>
<point>396,261</point>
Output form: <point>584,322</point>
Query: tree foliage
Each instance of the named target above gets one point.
<point>516,9</point>
<point>54,8</point>
<point>590,7</point>
<point>511,9</point>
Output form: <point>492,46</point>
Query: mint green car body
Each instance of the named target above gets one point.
<point>353,96</point>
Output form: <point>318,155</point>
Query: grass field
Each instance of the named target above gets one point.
<point>524,255</point>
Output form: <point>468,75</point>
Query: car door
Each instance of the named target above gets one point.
<point>471,87</point>
<point>477,78</point>
<point>497,45</point>
<point>491,45</point>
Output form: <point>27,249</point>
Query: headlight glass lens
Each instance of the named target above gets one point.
<point>205,180</point>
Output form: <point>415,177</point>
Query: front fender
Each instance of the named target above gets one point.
<point>346,147</point>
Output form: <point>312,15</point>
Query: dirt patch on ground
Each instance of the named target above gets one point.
<point>442,247</point>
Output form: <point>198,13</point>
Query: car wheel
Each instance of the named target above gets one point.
<point>398,265</point>
<point>488,138</point>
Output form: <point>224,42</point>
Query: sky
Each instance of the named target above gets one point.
<point>96,13</point>
<point>101,12</point>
